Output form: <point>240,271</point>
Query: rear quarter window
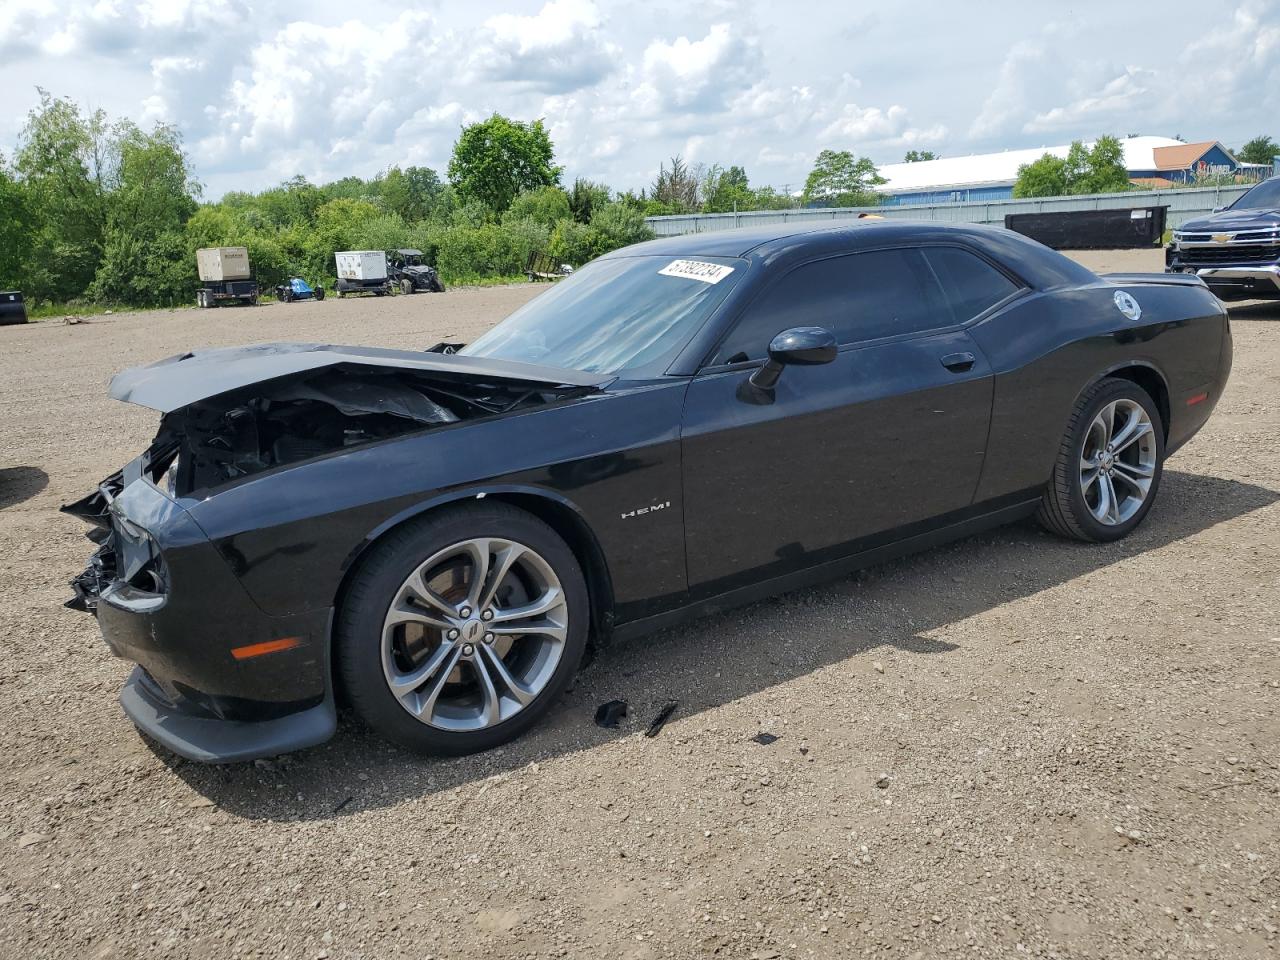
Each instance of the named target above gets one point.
<point>970,284</point>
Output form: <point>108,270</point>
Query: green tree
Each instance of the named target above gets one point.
<point>586,197</point>
<point>16,229</point>
<point>1046,177</point>
<point>497,159</point>
<point>767,198</point>
<point>414,193</point>
<point>620,225</point>
<point>154,196</point>
<point>1105,169</point>
<point>1099,169</point>
<point>674,190</point>
<point>545,205</point>
<point>915,156</point>
<point>724,191</point>
<point>67,163</point>
<point>1259,150</point>
<point>838,179</point>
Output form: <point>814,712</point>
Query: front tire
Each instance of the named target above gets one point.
<point>319,293</point>
<point>461,630</point>
<point>1109,464</point>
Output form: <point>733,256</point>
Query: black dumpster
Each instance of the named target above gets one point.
<point>11,308</point>
<point>1093,229</point>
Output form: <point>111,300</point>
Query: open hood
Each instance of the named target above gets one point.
<point>188,378</point>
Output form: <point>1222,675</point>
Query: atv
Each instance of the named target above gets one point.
<point>408,272</point>
<point>298,289</point>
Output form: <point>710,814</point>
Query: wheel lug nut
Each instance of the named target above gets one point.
<point>468,649</point>
<point>452,634</point>
<point>488,638</point>
<point>487,615</point>
<point>465,611</point>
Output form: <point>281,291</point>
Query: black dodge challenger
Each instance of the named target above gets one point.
<point>434,537</point>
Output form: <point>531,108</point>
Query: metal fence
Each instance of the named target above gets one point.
<point>1182,204</point>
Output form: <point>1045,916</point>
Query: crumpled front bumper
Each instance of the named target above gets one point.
<point>167,600</point>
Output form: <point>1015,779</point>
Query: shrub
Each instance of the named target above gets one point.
<point>545,205</point>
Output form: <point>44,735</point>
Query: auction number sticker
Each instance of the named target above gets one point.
<point>696,270</point>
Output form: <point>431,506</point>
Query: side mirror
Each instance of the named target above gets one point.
<point>802,346</point>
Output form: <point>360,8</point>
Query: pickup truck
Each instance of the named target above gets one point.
<point>1235,250</point>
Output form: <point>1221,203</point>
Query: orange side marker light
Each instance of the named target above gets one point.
<point>1198,398</point>
<point>266,646</point>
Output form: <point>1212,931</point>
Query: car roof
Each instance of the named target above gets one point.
<point>778,242</point>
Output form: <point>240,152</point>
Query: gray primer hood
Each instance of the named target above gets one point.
<point>188,378</point>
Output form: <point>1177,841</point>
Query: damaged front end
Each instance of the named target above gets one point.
<point>234,413</point>
<point>172,600</point>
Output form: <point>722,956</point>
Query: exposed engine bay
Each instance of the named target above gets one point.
<point>246,431</point>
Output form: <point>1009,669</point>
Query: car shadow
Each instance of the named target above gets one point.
<point>1255,310</point>
<point>722,658</point>
<point>18,484</point>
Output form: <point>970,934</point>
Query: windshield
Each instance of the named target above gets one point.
<point>1265,196</point>
<point>617,314</point>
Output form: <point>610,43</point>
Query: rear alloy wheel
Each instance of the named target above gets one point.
<point>461,631</point>
<point>1109,464</point>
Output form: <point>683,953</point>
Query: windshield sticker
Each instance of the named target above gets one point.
<point>696,270</point>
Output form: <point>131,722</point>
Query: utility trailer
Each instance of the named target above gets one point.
<point>225,276</point>
<point>11,308</point>
<point>362,271</point>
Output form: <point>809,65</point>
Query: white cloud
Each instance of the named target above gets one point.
<point>262,91</point>
<point>873,125</point>
<point>561,48</point>
<point>697,76</point>
<point>1224,63</point>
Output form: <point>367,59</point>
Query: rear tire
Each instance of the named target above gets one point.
<point>406,286</point>
<point>425,690</point>
<point>1109,464</point>
<point>319,293</point>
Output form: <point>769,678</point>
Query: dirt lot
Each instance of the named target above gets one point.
<point>1081,743</point>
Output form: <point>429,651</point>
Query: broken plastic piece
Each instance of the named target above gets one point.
<point>610,714</point>
<point>663,715</point>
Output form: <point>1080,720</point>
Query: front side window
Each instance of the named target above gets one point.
<point>971,285</point>
<point>858,297</point>
<point>614,315</point>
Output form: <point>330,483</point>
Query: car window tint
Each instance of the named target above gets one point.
<point>970,283</point>
<point>862,296</point>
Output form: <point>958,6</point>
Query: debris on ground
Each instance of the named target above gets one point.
<point>610,714</point>
<point>655,727</point>
<point>764,739</point>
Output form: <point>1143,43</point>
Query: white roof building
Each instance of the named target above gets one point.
<point>1000,169</point>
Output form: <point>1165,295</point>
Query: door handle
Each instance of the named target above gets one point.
<point>958,362</point>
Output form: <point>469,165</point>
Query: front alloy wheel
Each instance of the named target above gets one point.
<point>474,634</point>
<point>459,630</point>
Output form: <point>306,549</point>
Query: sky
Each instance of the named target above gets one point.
<point>262,91</point>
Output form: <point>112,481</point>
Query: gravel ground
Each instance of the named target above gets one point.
<point>1010,746</point>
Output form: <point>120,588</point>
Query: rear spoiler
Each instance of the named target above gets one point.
<point>1158,279</point>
